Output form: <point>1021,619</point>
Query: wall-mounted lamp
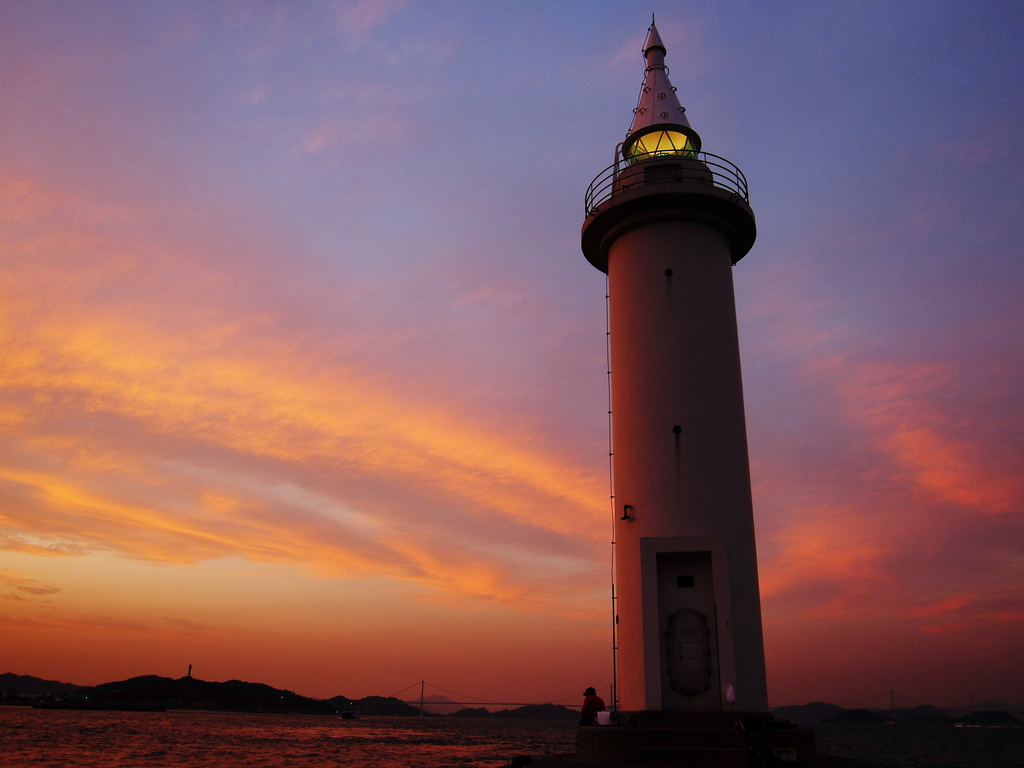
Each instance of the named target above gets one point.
<point>626,509</point>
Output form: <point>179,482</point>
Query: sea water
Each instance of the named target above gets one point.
<point>90,739</point>
<point>86,739</point>
<point>909,745</point>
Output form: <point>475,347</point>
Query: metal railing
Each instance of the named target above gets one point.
<point>662,168</point>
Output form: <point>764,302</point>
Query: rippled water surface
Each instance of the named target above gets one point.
<point>225,740</point>
<point>922,746</point>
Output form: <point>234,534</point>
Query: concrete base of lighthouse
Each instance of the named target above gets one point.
<point>721,739</point>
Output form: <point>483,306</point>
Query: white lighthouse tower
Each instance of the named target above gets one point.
<point>667,222</point>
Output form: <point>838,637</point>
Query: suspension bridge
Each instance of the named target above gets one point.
<point>431,694</point>
<point>426,689</point>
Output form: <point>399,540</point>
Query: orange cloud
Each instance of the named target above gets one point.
<point>889,485</point>
<point>26,585</point>
<point>944,629</point>
<point>827,564</point>
<point>135,424</point>
<point>892,400</point>
<point>954,603</point>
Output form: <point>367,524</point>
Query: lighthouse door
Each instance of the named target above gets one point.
<point>689,637</point>
<point>687,643</point>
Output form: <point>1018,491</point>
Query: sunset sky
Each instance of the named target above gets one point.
<point>302,371</point>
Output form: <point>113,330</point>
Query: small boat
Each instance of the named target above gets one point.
<point>350,714</point>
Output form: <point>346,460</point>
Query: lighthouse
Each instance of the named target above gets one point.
<point>667,222</point>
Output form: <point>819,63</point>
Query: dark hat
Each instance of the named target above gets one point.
<point>590,692</point>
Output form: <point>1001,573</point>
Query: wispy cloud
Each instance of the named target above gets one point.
<point>932,444</point>
<point>358,467</point>
<point>356,18</point>
<point>907,501</point>
<point>25,585</point>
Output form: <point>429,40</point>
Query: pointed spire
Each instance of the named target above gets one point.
<point>654,40</point>
<point>658,104</point>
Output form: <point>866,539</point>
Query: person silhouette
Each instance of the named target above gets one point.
<point>592,704</point>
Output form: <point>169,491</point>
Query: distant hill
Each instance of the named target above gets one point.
<point>477,713</point>
<point>806,714</point>
<point>385,705</point>
<point>538,712</point>
<point>992,705</point>
<point>923,714</point>
<point>193,693</point>
<point>340,703</point>
<point>855,716</point>
<point>990,717</point>
<point>994,712</point>
<point>240,696</point>
<point>436,704</point>
<point>34,685</point>
<point>820,711</point>
<point>380,706</point>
